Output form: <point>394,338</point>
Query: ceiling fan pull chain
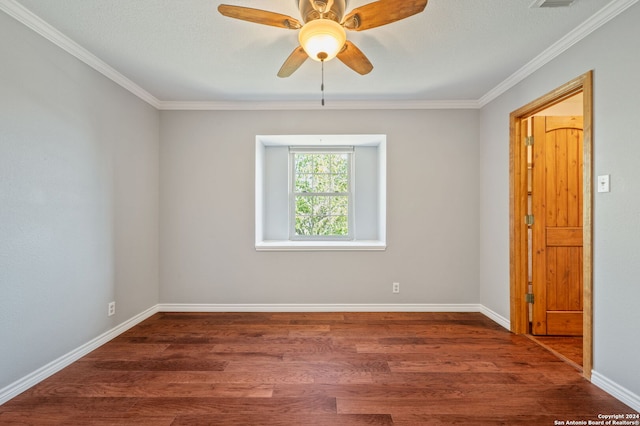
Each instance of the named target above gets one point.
<point>322,84</point>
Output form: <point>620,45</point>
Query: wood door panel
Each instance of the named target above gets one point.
<point>564,237</point>
<point>558,152</point>
<point>550,204</point>
<point>564,282</point>
<point>557,252</point>
<point>563,122</point>
<point>564,323</point>
<point>574,178</point>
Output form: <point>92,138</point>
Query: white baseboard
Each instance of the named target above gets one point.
<point>21,385</point>
<point>495,317</point>
<point>260,307</point>
<point>612,388</point>
<point>288,307</point>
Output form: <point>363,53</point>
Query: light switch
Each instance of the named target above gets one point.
<point>603,183</point>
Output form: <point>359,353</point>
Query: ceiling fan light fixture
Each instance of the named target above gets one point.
<point>322,39</point>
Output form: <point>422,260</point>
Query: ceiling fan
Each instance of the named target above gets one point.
<point>322,36</point>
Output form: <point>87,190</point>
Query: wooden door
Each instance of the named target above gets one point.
<point>557,252</point>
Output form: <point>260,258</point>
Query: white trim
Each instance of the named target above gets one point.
<point>495,317</point>
<point>612,388</point>
<point>324,245</point>
<point>26,17</point>
<point>278,242</point>
<point>313,307</point>
<point>32,379</point>
<point>603,16</point>
<point>315,105</point>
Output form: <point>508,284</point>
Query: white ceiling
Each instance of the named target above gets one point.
<point>185,51</point>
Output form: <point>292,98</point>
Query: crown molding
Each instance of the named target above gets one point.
<point>603,16</point>
<point>315,105</point>
<point>26,17</point>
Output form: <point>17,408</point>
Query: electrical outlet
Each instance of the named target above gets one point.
<point>603,183</point>
<point>111,310</point>
<point>396,287</point>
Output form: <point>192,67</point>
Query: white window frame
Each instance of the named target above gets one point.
<point>349,194</point>
<point>270,168</point>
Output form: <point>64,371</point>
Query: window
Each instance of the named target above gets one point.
<point>323,192</point>
<point>320,198</point>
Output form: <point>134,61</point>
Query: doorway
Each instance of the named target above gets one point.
<point>527,317</point>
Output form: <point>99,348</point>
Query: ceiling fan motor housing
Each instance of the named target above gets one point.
<point>312,9</point>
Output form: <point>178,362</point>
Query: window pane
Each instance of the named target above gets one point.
<point>340,163</point>
<point>322,163</point>
<point>340,225</point>
<point>304,225</point>
<point>323,183</point>
<point>304,163</point>
<point>340,183</point>
<point>304,182</point>
<point>304,205</point>
<point>317,214</point>
<point>322,215</point>
<point>321,206</point>
<point>340,206</point>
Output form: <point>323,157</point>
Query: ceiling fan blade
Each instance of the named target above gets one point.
<point>260,16</point>
<point>293,62</point>
<point>353,57</point>
<point>381,12</point>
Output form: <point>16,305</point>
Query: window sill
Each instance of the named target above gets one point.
<point>363,245</point>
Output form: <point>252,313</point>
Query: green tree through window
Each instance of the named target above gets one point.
<point>321,194</point>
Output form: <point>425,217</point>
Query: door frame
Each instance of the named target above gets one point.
<point>518,248</point>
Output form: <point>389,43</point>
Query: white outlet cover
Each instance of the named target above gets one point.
<point>603,183</point>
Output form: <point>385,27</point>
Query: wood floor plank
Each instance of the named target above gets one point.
<point>171,363</point>
<point>439,365</point>
<point>370,391</point>
<point>161,390</point>
<point>55,405</point>
<point>478,420</point>
<point>563,346</point>
<point>313,368</point>
<point>358,368</point>
<point>188,405</point>
<point>25,417</point>
<point>458,406</point>
<point>286,419</point>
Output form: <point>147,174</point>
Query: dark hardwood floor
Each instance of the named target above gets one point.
<point>568,348</point>
<point>314,369</point>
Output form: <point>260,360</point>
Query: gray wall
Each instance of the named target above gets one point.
<point>612,52</point>
<point>207,212</point>
<point>78,202</point>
